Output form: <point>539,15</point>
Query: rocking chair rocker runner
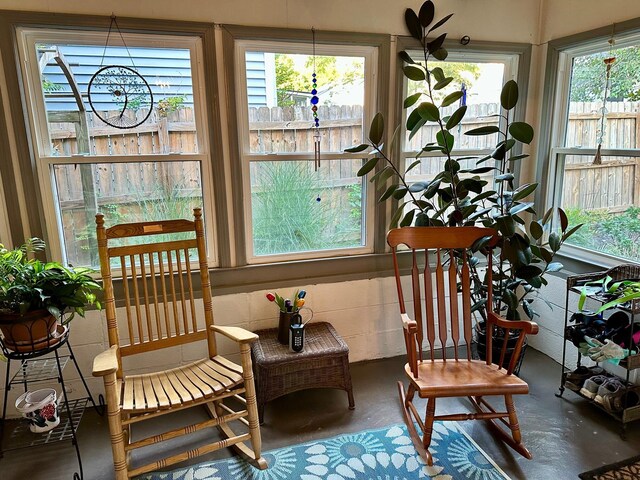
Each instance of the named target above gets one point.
<point>457,376</point>
<point>160,312</point>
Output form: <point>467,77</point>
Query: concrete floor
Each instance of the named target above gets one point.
<point>566,436</point>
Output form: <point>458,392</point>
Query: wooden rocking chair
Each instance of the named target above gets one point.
<point>160,311</point>
<point>457,376</point>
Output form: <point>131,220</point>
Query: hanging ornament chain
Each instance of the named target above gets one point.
<point>104,51</point>
<point>607,84</point>
<point>314,107</point>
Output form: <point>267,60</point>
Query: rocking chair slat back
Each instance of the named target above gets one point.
<point>157,286</point>
<point>452,273</point>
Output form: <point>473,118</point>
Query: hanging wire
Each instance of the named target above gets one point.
<point>114,21</point>
<point>609,61</point>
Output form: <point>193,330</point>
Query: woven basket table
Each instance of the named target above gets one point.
<point>324,363</point>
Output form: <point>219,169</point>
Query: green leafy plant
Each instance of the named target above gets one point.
<point>28,284</point>
<point>170,104</point>
<point>459,196</point>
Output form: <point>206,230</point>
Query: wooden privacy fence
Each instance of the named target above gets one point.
<point>614,185</point>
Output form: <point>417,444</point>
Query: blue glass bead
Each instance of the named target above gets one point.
<point>314,100</point>
<point>313,74</point>
<point>318,199</point>
<point>314,91</point>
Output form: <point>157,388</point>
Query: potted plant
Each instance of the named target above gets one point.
<point>36,297</point>
<point>458,195</point>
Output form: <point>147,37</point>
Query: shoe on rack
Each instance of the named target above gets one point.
<point>627,399</point>
<point>575,380</point>
<point>610,388</point>
<point>591,386</point>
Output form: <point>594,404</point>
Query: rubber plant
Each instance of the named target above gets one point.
<point>458,196</point>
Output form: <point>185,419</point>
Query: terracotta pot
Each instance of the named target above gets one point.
<point>29,332</point>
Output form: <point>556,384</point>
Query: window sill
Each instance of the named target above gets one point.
<point>580,260</point>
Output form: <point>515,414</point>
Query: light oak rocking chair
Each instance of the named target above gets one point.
<point>458,375</point>
<point>160,312</point>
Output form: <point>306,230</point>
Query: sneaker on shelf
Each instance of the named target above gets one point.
<point>627,399</point>
<point>610,388</point>
<point>591,386</point>
<point>575,380</point>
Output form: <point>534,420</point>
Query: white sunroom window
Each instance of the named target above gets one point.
<point>153,171</point>
<point>481,76</point>
<point>292,209</point>
<point>602,193</point>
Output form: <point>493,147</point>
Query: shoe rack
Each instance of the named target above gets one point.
<point>632,362</point>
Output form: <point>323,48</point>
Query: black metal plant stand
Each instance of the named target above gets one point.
<point>38,365</point>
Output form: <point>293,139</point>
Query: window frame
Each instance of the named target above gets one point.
<point>559,70</point>
<point>370,55</point>
<point>511,62</point>
<point>34,103</point>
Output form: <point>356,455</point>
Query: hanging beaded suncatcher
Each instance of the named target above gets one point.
<point>314,107</point>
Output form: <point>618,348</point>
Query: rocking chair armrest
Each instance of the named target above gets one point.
<point>530,328</point>
<point>236,334</point>
<point>411,326</point>
<point>106,362</point>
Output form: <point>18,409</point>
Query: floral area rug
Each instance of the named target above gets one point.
<point>628,469</point>
<point>384,454</point>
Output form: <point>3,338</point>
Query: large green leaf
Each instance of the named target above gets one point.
<point>438,74</point>
<point>456,117</point>
<point>536,230</point>
<point>506,225</point>
<point>554,242</point>
<point>428,111</point>
<point>388,192</point>
<point>443,83</point>
<point>520,207</point>
<point>418,187</point>
<point>518,157</point>
<point>509,95</point>
<point>367,167</point>
<point>486,130</point>
<point>528,271</point>
<point>451,98</point>
<point>504,177</point>
<point>554,267</point>
<point>414,72</point>
<point>521,131</point>
<point>406,57</point>
<point>413,165</point>
<point>564,221</point>
<point>396,216</point>
<point>571,231</point>
<point>411,99</point>
<point>377,129</point>
<point>413,119</point>
<point>440,22</point>
<point>524,191</point>
<point>436,43</point>
<point>400,192</point>
<point>413,24</point>
<point>408,218</point>
<point>441,54</point>
<point>358,148</point>
<point>419,124</point>
<point>426,14</point>
<point>445,139</point>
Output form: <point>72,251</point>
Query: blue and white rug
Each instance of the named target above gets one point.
<point>384,454</point>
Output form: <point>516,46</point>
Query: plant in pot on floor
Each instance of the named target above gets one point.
<point>38,299</point>
<point>458,195</point>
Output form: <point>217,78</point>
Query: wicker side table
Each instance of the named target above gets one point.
<point>324,363</point>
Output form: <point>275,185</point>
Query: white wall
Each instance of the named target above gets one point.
<point>498,20</point>
<point>560,18</point>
